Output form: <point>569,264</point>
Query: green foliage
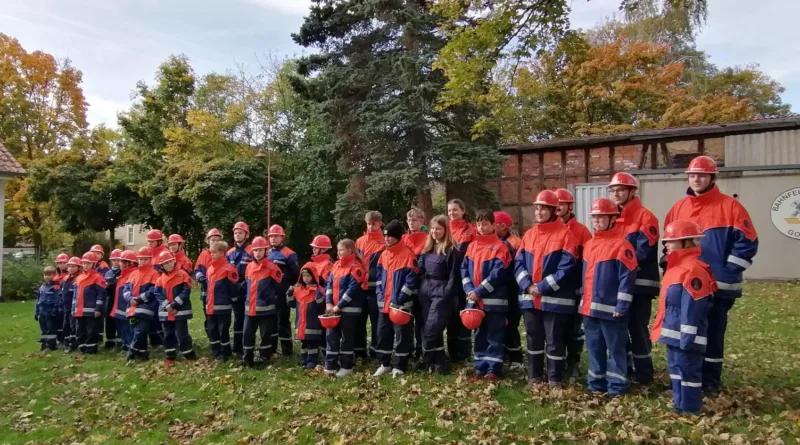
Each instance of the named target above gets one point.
<point>21,278</point>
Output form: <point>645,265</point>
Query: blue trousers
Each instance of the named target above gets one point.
<point>685,371</point>
<point>605,345</point>
<point>436,314</point>
<point>340,343</point>
<point>574,339</point>
<point>309,353</point>
<point>459,338</point>
<point>640,362</point>
<point>238,326</point>
<point>48,325</point>
<point>715,349</point>
<point>490,344</point>
<point>394,343</point>
<point>369,312</point>
<point>141,330</point>
<point>125,333</point>
<point>513,341</point>
<point>68,326</point>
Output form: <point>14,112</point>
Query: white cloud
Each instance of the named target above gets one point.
<point>294,7</point>
<point>103,111</point>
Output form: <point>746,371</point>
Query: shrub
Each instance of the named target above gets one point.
<point>21,278</point>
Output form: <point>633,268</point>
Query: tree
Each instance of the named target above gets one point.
<point>378,93</point>
<point>42,110</point>
<point>482,34</point>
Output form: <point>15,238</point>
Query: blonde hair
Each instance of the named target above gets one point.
<point>347,243</point>
<point>415,213</point>
<point>219,246</point>
<point>448,242</point>
<point>373,216</point>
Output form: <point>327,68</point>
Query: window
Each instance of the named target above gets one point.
<point>129,241</point>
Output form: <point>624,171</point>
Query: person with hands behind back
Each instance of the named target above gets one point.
<point>484,276</point>
<point>609,278</point>
<point>682,320</point>
<point>172,291</point>
<point>345,297</point>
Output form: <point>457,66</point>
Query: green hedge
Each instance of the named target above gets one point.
<point>21,278</point>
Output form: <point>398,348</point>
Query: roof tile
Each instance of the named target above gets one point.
<point>9,165</point>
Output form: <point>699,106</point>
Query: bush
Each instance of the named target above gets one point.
<point>21,278</point>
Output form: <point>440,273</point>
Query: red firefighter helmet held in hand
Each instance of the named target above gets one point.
<point>145,252</point>
<point>74,261</point>
<point>472,318</point>
<point>89,257</point>
<point>399,317</point>
<point>115,254</point>
<point>702,164</point>
<point>62,258</point>
<point>623,178</point>
<point>165,257</point>
<point>321,242</point>
<point>213,232</point>
<point>682,229</point>
<point>604,206</point>
<point>175,238</point>
<point>329,321</point>
<point>129,255</point>
<point>547,198</point>
<point>155,235</point>
<point>97,248</point>
<point>259,242</point>
<point>564,196</point>
<point>241,225</point>
<point>276,230</point>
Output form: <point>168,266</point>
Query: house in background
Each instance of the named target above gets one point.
<point>131,236</point>
<point>10,168</point>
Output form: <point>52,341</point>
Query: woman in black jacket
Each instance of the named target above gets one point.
<point>440,283</point>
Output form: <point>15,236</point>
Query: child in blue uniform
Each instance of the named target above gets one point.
<point>48,300</point>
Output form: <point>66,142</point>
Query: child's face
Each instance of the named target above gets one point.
<point>414,224</point>
<point>501,229</point>
<point>213,239</point>
<point>153,244</point>
<point>144,261</point>
<point>455,212</point>
<point>87,266</point>
<point>307,277</point>
<point>72,269</point>
<point>174,247</point>
<point>373,226</point>
<point>672,246</point>
<point>239,235</point>
<point>169,265</point>
<point>217,254</point>
<point>485,227</point>
<point>343,251</point>
<point>275,240</point>
<point>61,266</point>
<point>601,223</point>
<point>542,214</point>
<point>390,240</point>
<point>563,209</point>
<point>437,232</point>
<point>49,277</point>
<point>259,254</point>
<point>317,251</point>
<point>116,263</point>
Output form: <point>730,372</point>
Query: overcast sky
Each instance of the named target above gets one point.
<point>118,42</point>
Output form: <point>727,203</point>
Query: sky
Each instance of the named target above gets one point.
<point>116,43</point>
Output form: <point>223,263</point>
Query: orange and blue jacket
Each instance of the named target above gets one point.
<point>486,271</point>
<point>415,241</point>
<point>239,257</point>
<point>463,233</point>
<point>102,267</point>
<point>48,299</point>
<point>323,264</point>
<point>140,287</point>
<point>200,271</point>
<point>686,296</point>
<point>173,290</point>
<point>609,275</point>
<point>369,246</point>
<point>730,241</point>
<point>309,300</point>
<point>640,228</point>
<point>346,285</point>
<point>67,290</point>
<point>547,258</point>
<point>513,243</point>
<point>582,235</point>
<point>119,309</point>
<point>397,278</point>
<point>183,262</point>
<point>223,287</point>
<point>156,252</point>
<point>262,287</point>
<point>89,294</point>
<point>287,261</point>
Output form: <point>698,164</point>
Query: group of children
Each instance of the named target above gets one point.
<point>418,289</point>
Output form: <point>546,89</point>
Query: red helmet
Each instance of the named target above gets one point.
<point>241,225</point>
<point>213,232</point>
<point>145,252</point>
<point>155,235</point>
<point>399,316</point>
<point>276,230</point>
<point>329,321</point>
<point>89,257</point>
<point>165,257</point>
<point>115,254</point>
<point>472,318</point>
<point>503,218</point>
<point>604,206</point>
<point>174,238</point>
<point>259,242</point>
<point>564,196</point>
<point>321,242</point>
<point>702,164</point>
<point>98,249</point>
<point>74,261</point>
<point>623,178</point>
<point>62,258</point>
<point>129,255</point>
<point>682,229</point>
<point>547,198</point>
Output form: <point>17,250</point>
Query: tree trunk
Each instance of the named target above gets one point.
<point>36,220</point>
<point>425,201</point>
<point>111,239</point>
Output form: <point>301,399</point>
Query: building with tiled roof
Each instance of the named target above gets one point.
<point>10,168</point>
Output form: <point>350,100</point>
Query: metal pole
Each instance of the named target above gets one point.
<point>269,189</point>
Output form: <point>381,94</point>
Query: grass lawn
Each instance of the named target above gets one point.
<point>59,398</point>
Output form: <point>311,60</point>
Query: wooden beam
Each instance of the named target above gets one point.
<point>586,163</point>
<point>653,156</point>
<point>701,146</point>
<point>665,153</point>
<point>643,157</point>
<point>541,171</point>
<point>564,168</point>
<point>611,160</point>
<point>519,189</point>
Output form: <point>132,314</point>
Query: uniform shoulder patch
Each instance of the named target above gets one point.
<point>628,254</point>
<point>653,231</point>
<point>697,284</point>
<point>746,223</point>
